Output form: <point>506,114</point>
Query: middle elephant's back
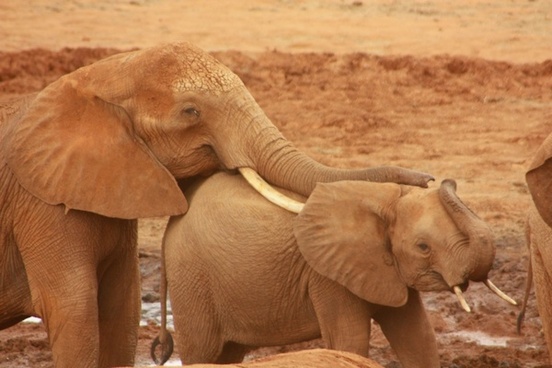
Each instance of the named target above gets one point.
<point>236,249</point>
<point>226,205</point>
<point>228,220</point>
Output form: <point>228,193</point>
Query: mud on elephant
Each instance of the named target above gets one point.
<point>243,273</point>
<point>103,146</point>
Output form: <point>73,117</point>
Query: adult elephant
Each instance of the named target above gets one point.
<point>243,273</point>
<point>101,147</point>
<point>539,235</point>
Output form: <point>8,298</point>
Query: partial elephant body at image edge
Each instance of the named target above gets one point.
<point>539,236</point>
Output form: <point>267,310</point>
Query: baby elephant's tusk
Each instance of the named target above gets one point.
<point>499,292</point>
<point>461,299</point>
<point>269,192</point>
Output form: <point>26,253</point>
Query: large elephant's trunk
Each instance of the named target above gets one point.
<point>263,148</point>
<point>480,256</point>
<point>280,163</point>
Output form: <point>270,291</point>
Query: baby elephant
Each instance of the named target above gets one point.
<point>244,273</point>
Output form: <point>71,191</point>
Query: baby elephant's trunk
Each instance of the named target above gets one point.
<point>482,249</point>
<point>481,245</point>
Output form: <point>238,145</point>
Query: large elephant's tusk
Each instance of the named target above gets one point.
<point>499,292</point>
<point>268,192</point>
<point>461,299</point>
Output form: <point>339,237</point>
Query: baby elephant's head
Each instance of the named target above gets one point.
<point>380,239</point>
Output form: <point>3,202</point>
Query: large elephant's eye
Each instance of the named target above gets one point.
<point>423,247</point>
<point>191,112</point>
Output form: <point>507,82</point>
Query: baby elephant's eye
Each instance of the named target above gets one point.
<point>191,111</point>
<point>423,247</point>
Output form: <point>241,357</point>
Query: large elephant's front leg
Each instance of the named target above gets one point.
<point>119,299</point>
<point>63,255</point>
<point>62,278</point>
<point>409,333</point>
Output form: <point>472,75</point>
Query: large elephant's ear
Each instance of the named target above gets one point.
<point>72,147</point>
<point>341,233</point>
<point>539,180</point>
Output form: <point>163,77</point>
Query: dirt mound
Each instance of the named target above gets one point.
<point>32,70</point>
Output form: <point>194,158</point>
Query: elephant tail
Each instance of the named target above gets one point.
<point>528,283</point>
<point>164,339</point>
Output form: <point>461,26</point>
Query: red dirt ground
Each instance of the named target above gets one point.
<point>463,93</point>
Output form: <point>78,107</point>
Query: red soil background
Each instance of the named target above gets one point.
<point>462,91</point>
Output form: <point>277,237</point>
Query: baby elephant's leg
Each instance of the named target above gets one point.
<point>409,333</point>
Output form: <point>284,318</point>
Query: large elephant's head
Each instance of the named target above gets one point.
<point>380,239</point>
<point>539,180</point>
<point>112,137</point>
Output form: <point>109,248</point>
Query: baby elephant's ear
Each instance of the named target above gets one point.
<point>342,235</point>
<point>539,180</point>
<point>75,149</point>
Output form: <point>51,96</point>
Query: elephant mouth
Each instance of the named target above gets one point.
<point>434,281</point>
<point>430,281</point>
<point>458,289</point>
<point>463,287</point>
